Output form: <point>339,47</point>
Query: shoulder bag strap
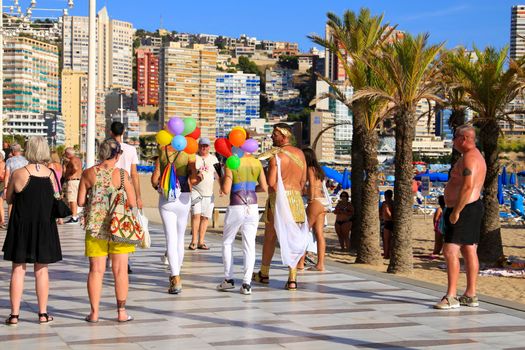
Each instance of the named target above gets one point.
<point>168,157</point>
<point>121,179</point>
<point>59,187</point>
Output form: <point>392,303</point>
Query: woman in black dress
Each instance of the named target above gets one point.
<point>32,235</point>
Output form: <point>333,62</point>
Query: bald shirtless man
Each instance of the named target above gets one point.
<point>293,173</point>
<point>463,215</point>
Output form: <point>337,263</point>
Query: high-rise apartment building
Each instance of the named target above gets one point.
<point>187,80</point>
<point>325,147</point>
<point>279,84</point>
<point>147,77</point>
<point>114,49</point>
<point>74,106</point>
<point>517,31</point>
<point>238,100</point>
<point>30,69</point>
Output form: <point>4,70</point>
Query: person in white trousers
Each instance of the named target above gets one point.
<point>242,214</point>
<point>174,205</point>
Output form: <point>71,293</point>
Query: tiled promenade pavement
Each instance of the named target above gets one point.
<point>341,308</point>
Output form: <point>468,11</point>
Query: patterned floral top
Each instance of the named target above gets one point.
<point>97,209</point>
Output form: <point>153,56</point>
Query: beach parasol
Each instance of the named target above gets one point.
<point>501,199</point>
<point>504,176</point>
<point>346,183</point>
<point>512,179</point>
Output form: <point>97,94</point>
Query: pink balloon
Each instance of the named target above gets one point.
<point>175,126</point>
<point>250,146</point>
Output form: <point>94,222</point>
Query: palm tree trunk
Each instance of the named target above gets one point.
<point>401,255</point>
<point>368,251</point>
<point>357,178</point>
<point>490,247</point>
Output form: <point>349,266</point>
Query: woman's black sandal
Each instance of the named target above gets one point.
<point>289,285</point>
<point>48,318</point>
<point>10,319</point>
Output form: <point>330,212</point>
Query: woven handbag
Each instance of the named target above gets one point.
<point>124,226</point>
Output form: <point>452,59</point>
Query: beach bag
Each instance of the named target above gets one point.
<point>170,187</point>
<point>143,220</point>
<point>124,226</point>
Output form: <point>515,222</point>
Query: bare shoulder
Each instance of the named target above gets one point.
<point>473,157</point>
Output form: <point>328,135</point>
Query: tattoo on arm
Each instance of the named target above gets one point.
<point>467,172</point>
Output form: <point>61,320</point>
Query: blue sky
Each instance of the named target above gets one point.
<point>457,22</point>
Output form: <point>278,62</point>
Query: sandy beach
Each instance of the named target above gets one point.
<point>508,288</point>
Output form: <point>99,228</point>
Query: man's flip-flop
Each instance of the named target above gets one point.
<point>88,319</point>
<point>130,318</point>
<point>203,246</point>
<point>192,246</point>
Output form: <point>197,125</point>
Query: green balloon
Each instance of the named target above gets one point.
<point>233,162</point>
<point>189,126</point>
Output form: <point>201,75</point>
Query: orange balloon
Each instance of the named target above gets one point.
<point>191,146</point>
<point>237,137</point>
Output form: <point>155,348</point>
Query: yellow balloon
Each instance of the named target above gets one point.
<point>163,138</point>
<point>240,128</point>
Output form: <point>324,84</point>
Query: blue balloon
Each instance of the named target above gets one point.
<point>179,143</point>
<point>239,152</point>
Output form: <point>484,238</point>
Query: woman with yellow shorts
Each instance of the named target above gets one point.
<point>96,188</point>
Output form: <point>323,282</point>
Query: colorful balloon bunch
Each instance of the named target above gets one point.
<point>234,146</point>
<point>181,133</point>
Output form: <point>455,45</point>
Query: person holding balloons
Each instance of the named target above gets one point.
<point>241,180</point>
<point>173,177</point>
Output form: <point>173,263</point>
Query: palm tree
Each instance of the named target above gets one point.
<point>454,95</point>
<point>353,39</point>
<point>489,86</point>
<point>409,66</point>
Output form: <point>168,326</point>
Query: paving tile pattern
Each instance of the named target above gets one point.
<point>334,310</point>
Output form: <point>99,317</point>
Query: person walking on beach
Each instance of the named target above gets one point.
<point>387,212</point>
<point>242,213</point>
<point>56,166</point>
<point>32,234</point>
<point>318,204</point>
<point>72,180</point>
<point>174,204</point>
<point>127,161</point>
<point>463,216</point>
<point>3,225</point>
<point>15,161</point>
<point>285,216</point>
<point>438,221</point>
<point>98,187</point>
<point>202,194</point>
<point>343,220</point>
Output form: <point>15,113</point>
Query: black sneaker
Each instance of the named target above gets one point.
<point>72,220</point>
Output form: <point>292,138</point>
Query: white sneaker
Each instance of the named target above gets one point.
<point>246,289</point>
<point>164,260</point>
<point>225,285</point>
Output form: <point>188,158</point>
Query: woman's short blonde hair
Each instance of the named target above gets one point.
<point>55,158</point>
<point>37,150</point>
